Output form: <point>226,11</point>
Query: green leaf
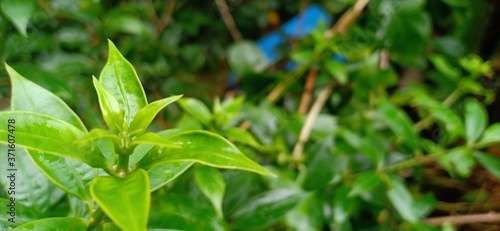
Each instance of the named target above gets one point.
<point>55,223</point>
<point>19,13</point>
<point>120,79</point>
<point>43,133</point>
<point>124,200</point>
<point>212,184</point>
<point>68,174</point>
<point>266,208</point>
<point>146,115</point>
<point>459,160</point>
<point>489,162</point>
<point>342,208</point>
<point>400,124</point>
<point>476,120</point>
<point>111,112</point>
<point>307,215</point>
<point>444,66</point>
<point>322,165</point>
<point>365,182</point>
<point>28,96</point>
<point>363,146</point>
<point>197,109</point>
<point>23,214</point>
<point>245,56</point>
<point>202,147</point>
<point>155,139</point>
<point>402,200</point>
<point>71,175</point>
<point>31,188</point>
<point>241,136</point>
<point>491,136</point>
<point>451,121</point>
<point>302,56</point>
<point>336,70</point>
<point>161,174</point>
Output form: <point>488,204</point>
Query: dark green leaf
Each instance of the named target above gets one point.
<point>120,79</point>
<point>266,208</point>
<point>50,224</point>
<point>476,120</point>
<point>146,115</point>
<point>365,182</point>
<point>164,173</point>
<point>40,132</point>
<point>111,112</point>
<point>322,165</point>
<point>19,12</point>
<point>308,215</point>
<point>23,214</point>
<point>212,184</point>
<point>124,200</point>
<point>400,124</point>
<point>202,147</point>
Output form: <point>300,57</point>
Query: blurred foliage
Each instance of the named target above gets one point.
<point>405,134</point>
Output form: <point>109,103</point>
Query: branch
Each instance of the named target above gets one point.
<point>311,117</point>
<point>308,91</point>
<point>228,19</point>
<point>348,18</point>
<point>490,217</point>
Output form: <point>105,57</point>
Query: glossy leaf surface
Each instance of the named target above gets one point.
<point>266,208</point>
<point>491,136</point>
<point>212,184</point>
<point>161,174</point>
<point>402,200</point>
<point>111,111</point>
<point>40,132</point>
<point>120,79</point>
<point>124,200</point>
<point>202,147</point>
<point>146,115</point>
<point>56,223</point>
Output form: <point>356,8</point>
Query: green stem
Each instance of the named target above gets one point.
<point>122,165</point>
<point>419,160</point>
<point>452,98</point>
<point>95,218</point>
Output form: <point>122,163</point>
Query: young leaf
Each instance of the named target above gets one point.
<point>476,120</point>
<point>155,139</point>
<point>491,136</point>
<point>111,111</point>
<point>161,174</point>
<point>146,115</point>
<point>124,200</point>
<point>202,147</point>
<point>120,79</point>
<point>266,208</point>
<point>400,124</point>
<point>40,132</point>
<point>489,162</point>
<point>19,13</point>
<point>212,184</point>
<point>62,224</point>
<point>28,96</point>
<point>197,109</point>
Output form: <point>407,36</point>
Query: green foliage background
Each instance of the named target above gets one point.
<point>393,144</point>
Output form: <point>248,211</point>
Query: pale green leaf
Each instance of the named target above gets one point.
<point>19,12</point>
<point>476,120</point>
<point>202,147</point>
<point>197,109</point>
<point>111,112</point>
<point>491,136</point>
<point>55,224</point>
<point>212,184</point>
<point>124,200</point>
<point>146,115</point>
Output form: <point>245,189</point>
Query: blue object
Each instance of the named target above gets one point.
<point>297,27</point>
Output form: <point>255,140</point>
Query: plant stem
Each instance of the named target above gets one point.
<point>419,160</point>
<point>96,217</point>
<point>122,165</point>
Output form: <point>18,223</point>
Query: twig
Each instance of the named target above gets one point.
<point>228,19</point>
<point>161,23</point>
<point>491,217</point>
<point>348,18</point>
<point>308,90</point>
<point>311,117</point>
